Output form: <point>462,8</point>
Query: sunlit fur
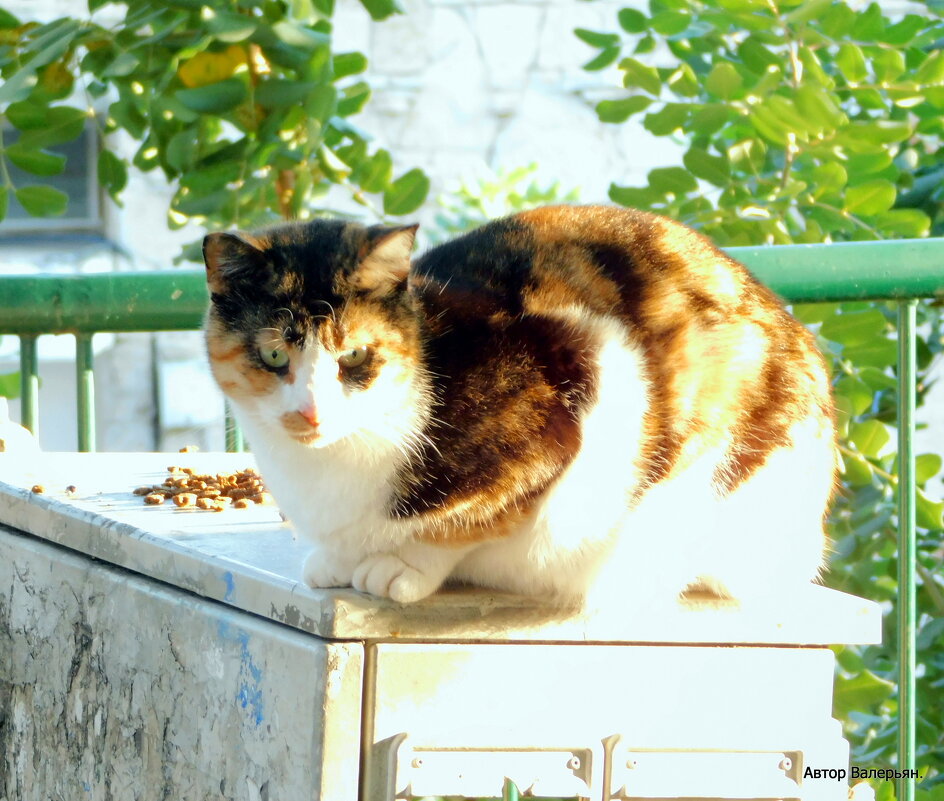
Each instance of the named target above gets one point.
<point>574,402</point>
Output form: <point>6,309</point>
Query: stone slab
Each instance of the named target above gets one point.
<point>249,560</point>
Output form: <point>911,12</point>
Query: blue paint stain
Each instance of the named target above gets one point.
<point>249,693</point>
<point>230,586</point>
<point>87,787</point>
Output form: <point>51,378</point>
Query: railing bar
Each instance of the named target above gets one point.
<point>29,383</point>
<point>234,434</point>
<point>85,392</point>
<point>907,551</point>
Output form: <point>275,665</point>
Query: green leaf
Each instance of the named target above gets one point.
<point>855,328</point>
<point>672,179</point>
<point>622,110</point>
<point>229,27</point>
<point>928,512</point>
<point>7,20</point>
<point>631,20</point>
<point>597,39</point>
<point>669,23</point>
<point>637,74</point>
<point>602,60</point>
<point>112,172</point>
<point>669,118</point>
<point>298,35</point>
<point>879,353</point>
<point>354,98</point>
<point>4,202</point>
<point>724,80</point>
<point>27,116</point>
<point>42,201</point>
<point>870,437</point>
<point>714,169</point>
<point>377,172</point>
<point>381,9</point>
<point>807,10</point>
<point>857,472</point>
<point>407,193</point>
<point>888,64</point>
<point>912,223</point>
<point>684,82</point>
<point>819,108</point>
<point>182,148</point>
<point>710,118</point>
<point>348,64</point>
<point>859,394</point>
<point>276,92</point>
<point>18,85</point>
<point>214,98</point>
<point>871,197</point>
<point>36,162</point>
<point>932,70</point>
<point>63,124</point>
<point>859,693</point>
<point>927,466</point>
<point>756,57</point>
<point>851,62</point>
<point>828,178</point>
<point>632,196</point>
<point>10,385</point>
<point>122,66</point>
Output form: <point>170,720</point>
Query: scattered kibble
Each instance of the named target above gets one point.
<point>39,489</point>
<point>211,492</point>
<point>71,490</point>
<point>189,449</point>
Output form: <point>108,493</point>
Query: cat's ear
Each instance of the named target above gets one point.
<point>229,256</point>
<point>385,258</point>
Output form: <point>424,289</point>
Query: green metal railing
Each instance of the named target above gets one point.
<point>900,270</point>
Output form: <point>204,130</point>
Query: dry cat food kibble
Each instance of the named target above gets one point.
<point>211,492</point>
<point>38,489</point>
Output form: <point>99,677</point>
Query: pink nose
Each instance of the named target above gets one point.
<point>310,415</point>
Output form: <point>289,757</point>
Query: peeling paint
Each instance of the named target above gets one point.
<point>116,688</point>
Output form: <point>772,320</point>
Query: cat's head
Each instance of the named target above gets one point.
<point>311,331</point>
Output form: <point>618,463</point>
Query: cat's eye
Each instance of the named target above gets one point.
<point>274,357</point>
<point>353,357</point>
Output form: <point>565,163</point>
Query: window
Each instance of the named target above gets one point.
<point>79,181</point>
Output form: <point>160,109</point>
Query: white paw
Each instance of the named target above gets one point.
<point>320,570</point>
<point>388,576</point>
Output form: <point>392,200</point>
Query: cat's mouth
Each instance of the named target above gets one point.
<point>308,438</point>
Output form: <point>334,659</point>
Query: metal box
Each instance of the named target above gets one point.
<point>152,652</point>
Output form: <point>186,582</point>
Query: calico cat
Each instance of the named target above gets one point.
<point>566,397</point>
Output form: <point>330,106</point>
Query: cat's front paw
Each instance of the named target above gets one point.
<point>320,570</point>
<point>388,576</point>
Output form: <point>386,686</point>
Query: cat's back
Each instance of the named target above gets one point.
<point>726,366</point>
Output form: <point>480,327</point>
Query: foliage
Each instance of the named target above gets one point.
<point>505,192</point>
<point>809,121</point>
<point>242,104</point>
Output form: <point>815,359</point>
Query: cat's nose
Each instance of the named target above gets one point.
<point>310,415</point>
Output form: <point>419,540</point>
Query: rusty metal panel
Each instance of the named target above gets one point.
<point>117,687</point>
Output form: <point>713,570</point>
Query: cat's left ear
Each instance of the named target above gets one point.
<point>385,258</point>
<point>229,256</point>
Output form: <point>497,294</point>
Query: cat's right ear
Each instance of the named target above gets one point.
<point>228,256</point>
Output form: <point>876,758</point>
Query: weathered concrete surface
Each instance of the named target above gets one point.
<point>248,559</point>
<point>115,687</point>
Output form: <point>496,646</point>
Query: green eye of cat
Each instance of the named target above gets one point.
<point>353,357</point>
<point>273,357</point>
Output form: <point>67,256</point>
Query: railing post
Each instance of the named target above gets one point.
<point>85,392</point>
<point>29,383</point>
<point>907,554</point>
<point>234,434</point>
<point>510,791</point>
